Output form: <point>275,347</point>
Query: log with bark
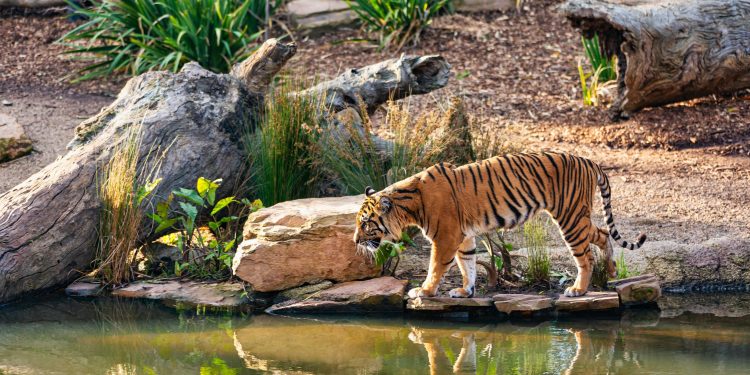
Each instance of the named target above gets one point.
<point>671,50</point>
<point>196,121</point>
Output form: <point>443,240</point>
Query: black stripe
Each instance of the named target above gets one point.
<point>431,175</point>
<point>470,252</point>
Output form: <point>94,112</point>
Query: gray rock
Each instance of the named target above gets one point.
<point>381,295</point>
<point>592,301</point>
<point>523,304</point>
<point>84,289</point>
<point>448,304</point>
<point>7,103</point>
<point>194,293</point>
<point>637,290</point>
<point>14,143</point>
<point>301,292</point>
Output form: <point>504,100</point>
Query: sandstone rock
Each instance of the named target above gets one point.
<point>484,5</point>
<point>592,301</point>
<point>14,142</point>
<point>84,288</point>
<point>225,294</point>
<point>523,304</point>
<point>637,290</point>
<point>384,294</point>
<point>301,241</point>
<point>301,292</point>
<point>315,14</point>
<point>448,304</point>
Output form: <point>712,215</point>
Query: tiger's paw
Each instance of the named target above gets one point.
<point>416,293</point>
<point>461,293</point>
<point>572,291</point>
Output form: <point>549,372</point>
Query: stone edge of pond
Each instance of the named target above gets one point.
<point>383,295</point>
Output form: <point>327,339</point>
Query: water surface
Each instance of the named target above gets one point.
<point>111,336</point>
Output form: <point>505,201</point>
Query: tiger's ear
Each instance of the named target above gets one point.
<point>369,191</point>
<point>385,204</point>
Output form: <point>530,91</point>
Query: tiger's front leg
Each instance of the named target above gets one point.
<point>466,257</point>
<point>441,258</point>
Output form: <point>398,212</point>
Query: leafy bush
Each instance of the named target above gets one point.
<point>284,151</point>
<point>206,252</point>
<point>397,21</point>
<point>603,70</point>
<point>121,215</point>
<point>135,36</point>
<point>359,162</point>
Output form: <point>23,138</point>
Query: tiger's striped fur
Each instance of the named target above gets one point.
<point>454,204</point>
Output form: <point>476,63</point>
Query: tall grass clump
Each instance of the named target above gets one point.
<point>535,238</point>
<point>120,219</point>
<point>284,150</point>
<point>359,158</point>
<point>602,70</point>
<point>397,22</point>
<point>135,36</point>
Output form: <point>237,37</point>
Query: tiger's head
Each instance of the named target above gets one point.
<point>374,223</point>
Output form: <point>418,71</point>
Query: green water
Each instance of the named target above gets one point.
<point>109,336</point>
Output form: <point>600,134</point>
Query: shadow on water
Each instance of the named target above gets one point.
<point>111,336</point>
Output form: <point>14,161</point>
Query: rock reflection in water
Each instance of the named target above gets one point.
<point>132,337</point>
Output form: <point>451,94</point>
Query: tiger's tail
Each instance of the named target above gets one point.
<point>606,192</point>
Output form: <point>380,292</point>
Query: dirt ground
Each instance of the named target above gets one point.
<point>680,172</point>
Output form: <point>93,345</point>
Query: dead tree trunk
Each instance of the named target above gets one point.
<point>195,118</point>
<point>670,50</point>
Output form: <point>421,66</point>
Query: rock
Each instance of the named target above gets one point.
<point>448,304</point>
<point>637,290</point>
<point>523,304</point>
<point>592,301</point>
<point>381,295</point>
<point>84,288</point>
<point>14,142</point>
<point>301,241</point>
<point>194,293</point>
<point>320,14</point>
<point>7,103</point>
<point>301,292</point>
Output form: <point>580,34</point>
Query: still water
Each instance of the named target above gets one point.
<point>110,336</point>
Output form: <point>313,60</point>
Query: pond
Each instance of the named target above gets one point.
<point>109,336</point>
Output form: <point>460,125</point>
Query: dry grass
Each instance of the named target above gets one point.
<point>535,238</point>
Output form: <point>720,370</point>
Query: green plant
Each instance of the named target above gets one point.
<point>603,70</point>
<point>284,151</point>
<point>622,267</point>
<point>121,214</point>
<point>535,238</point>
<point>359,158</point>
<point>134,36</point>
<point>397,21</point>
<point>207,252</point>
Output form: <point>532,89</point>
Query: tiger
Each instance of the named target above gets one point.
<point>453,204</point>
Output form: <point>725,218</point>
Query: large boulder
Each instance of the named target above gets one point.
<point>193,293</point>
<point>301,242</point>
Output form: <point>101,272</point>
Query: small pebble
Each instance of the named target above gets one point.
<point>7,103</point>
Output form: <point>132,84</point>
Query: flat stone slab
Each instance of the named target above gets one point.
<point>448,304</point>
<point>383,294</point>
<point>524,304</point>
<point>637,290</point>
<point>84,289</point>
<point>592,301</point>
<point>224,294</point>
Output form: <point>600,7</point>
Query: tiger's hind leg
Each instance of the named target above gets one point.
<point>600,238</point>
<point>466,257</point>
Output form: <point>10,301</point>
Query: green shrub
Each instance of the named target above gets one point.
<point>207,252</point>
<point>284,151</point>
<point>622,268</point>
<point>603,70</point>
<point>358,163</point>
<point>535,238</point>
<point>135,36</point>
<point>397,22</point>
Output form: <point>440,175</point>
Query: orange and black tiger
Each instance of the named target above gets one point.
<point>454,204</point>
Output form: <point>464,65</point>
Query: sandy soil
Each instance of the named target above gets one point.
<point>680,172</point>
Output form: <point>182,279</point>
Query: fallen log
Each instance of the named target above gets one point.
<point>196,119</point>
<point>32,3</point>
<point>669,51</point>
